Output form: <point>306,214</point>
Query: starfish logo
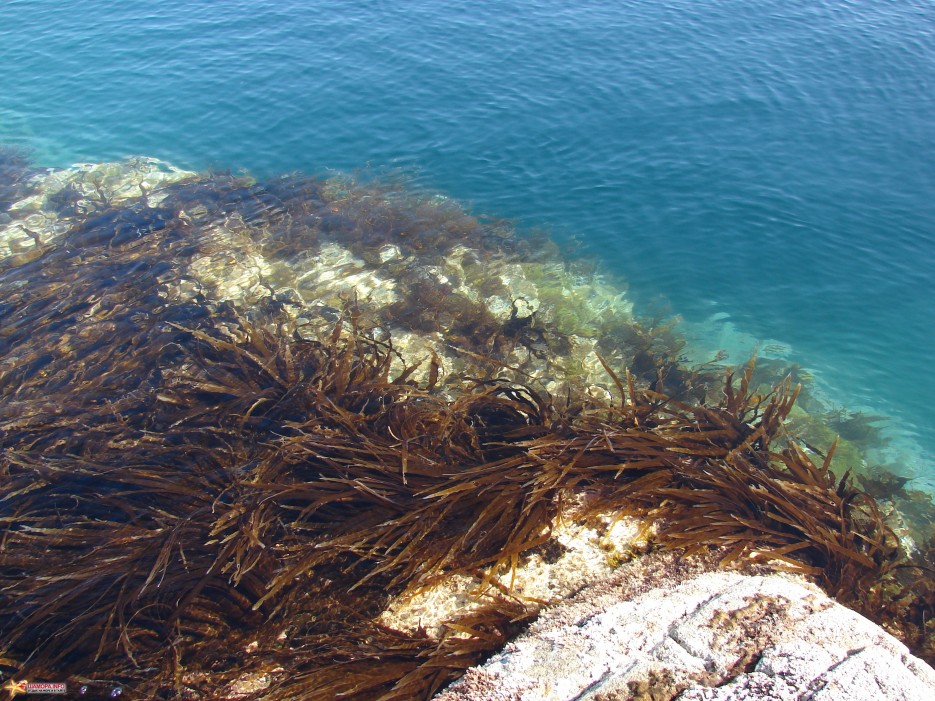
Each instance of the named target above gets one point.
<point>15,687</point>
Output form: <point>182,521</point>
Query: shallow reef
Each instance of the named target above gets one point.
<point>238,418</point>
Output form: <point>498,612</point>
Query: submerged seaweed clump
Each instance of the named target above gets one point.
<point>238,418</point>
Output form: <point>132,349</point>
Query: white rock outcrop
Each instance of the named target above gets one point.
<point>702,636</point>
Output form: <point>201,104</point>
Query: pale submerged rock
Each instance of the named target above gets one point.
<point>389,252</point>
<point>34,220</point>
<point>500,307</point>
<point>523,292</point>
<point>336,275</point>
<point>587,554</point>
<point>417,349</point>
<point>230,269</point>
<point>525,308</point>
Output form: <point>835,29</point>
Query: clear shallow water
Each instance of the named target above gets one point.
<point>767,168</point>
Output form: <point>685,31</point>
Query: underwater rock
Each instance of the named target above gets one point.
<point>58,195</point>
<point>419,264</point>
<point>660,630</point>
<point>577,555</point>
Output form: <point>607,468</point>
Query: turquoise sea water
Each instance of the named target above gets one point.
<point>767,168</point>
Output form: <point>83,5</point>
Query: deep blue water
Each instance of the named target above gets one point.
<point>768,163</point>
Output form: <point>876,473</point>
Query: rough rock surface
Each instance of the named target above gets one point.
<point>703,635</point>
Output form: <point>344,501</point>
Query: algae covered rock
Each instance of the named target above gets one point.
<point>56,196</point>
<point>415,263</point>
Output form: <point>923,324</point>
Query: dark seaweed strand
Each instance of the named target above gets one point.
<point>181,482</point>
